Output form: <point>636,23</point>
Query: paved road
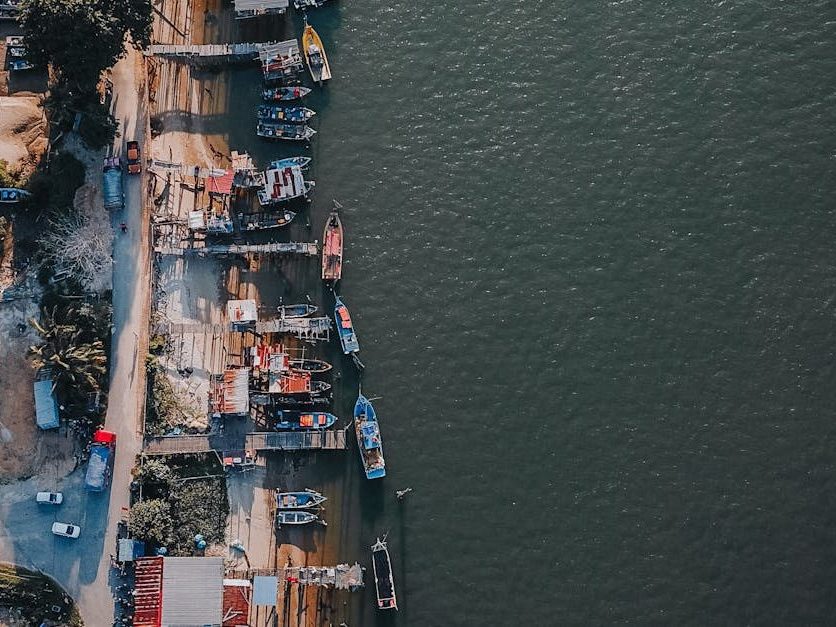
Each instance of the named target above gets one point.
<point>82,566</point>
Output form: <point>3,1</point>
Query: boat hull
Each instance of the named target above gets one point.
<point>291,115</point>
<point>383,580</point>
<point>284,94</point>
<point>309,365</point>
<point>332,248</point>
<point>369,441</point>
<point>294,517</point>
<point>345,329</point>
<point>315,55</point>
<point>305,499</point>
<point>297,311</point>
<point>304,421</point>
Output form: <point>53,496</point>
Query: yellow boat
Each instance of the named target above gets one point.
<point>315,55</point>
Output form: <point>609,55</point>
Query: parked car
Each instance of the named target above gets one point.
<point>53,498</point>
<point>66,529</point>
<point>134,163</point>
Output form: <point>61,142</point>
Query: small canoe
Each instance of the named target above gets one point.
<point>299,162</point>
<point>263,221</point>
<point>285,93</point>
<point>291,517</point>
<point>288,132</point>
<point>369,441</point>
<point>277,113</point>
<point>315,55</point>
<point>297,311</point>
<point>345,328</point>
<point>332,248</point>
<point>309,365</point>
<point>306,499</point>
<point>304,420</point>
<point>383,581</point>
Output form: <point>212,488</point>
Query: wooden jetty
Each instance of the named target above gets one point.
<point>272,441</point>
<point>341,576</point>
<point>308,249</point>
<point>310,329</point>
<point>212,53</point>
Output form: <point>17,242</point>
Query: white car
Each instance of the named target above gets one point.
<point>65,529</point>
<point>53,498</point>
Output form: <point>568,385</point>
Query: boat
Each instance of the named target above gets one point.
<point>315,55</point>
<point>277,113</point>
<point>294,92</point>
<point>294,517</point>
<point>288,132</point>
<point>306,499</point>
<point>348,339</point>
<point>297,311</point>
<point>283,184</point>
<point>369,441</point>
<point>301,5</point>
<point>384,583</point>
<point>332,248</point>
<point>309,365</point>
<point>19,65</point>
<point>12,194</point>
<point>292,383</point>
<point>262,221</point>
<point>303,420</point>
<point>299,162</point>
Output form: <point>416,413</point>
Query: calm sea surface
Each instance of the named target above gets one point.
<point>591,264</point>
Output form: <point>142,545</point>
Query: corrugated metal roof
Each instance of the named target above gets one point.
<point>193,591</point>
<point>265,590</point>
<point>46,407</point>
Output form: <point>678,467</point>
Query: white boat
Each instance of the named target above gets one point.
<point>293,517</point>
<point>306,499</point>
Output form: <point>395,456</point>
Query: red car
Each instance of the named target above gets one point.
<point>134,162</point>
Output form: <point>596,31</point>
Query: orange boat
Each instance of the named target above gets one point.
<point>332,248</point>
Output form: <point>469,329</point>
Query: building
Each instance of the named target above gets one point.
<point>46,406</point>
<point>179,592</point>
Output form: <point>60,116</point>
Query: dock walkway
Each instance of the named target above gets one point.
<point>272,441</point>
<point>308,249</point>
<point>218,53</point>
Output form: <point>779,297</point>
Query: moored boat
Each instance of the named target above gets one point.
<point>287,132</point>
<point>262,221</point>
<point>277,113</point>
<point>305,499</point>
<point>294,92</point>
<point>383,581</point>
<point>369,441</point>
<point>332,248</point>
<point>12,194</point>
<point>294,517</point>
<point>282,185</point>
<point>299,162</point>
<point>345,328</point>
<point>309,365</point>
<point>301,5</point>
<point>315,55</point>
<point>303,420</point>
<point>297,311</point>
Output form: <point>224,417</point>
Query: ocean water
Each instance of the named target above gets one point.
<point>590,262</point>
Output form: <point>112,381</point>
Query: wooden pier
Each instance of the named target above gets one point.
<point>215,53</point>
<point>341,576</point>
<point>309,249</point>
<point>273,441</point>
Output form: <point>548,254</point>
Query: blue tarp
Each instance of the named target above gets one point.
<point>46,407</point>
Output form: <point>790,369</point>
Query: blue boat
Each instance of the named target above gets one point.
<point>277,113</point>
<point>368,438</point>
<point>345,328</point>
<point>281,164</point>
<point>303,420</point>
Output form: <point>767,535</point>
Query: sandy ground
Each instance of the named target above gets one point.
<point>22,131</point>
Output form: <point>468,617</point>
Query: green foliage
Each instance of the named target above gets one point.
<point>154,472</point>
<point>4,228</point>
<point>199,506</point>
<point>81,38</point>
<point>151,521</point>
<point>54,189</point>
<point>8,177</point>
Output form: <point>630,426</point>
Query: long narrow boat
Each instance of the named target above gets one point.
<point>332,248</point>
<point>309,365</point>
<point>305,499</point>
<point>315,55</point>
<point>291,517</point>
<point>287,132</point>
<point>294,383</point>
<point>280,94</point>
<point>345,328</point>
<point>301,5</point>
<point>383,581</point>
<point>369,441</point>
<point>303,420</point>
<point>276,113</point>
<point>297,311</point>
<point>299,162</point>
<point>263,221</point>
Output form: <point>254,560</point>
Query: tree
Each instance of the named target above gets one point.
<point>154,472</point>
<point>151,521</point>
<point>81,38</point>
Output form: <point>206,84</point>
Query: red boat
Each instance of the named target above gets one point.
<point>332,248</point>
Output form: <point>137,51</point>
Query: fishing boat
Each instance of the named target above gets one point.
<point>383,581</point>
<point>293,517</point>
<point>287,132</point>
<point>369,441</point>
<point>294,92</point>
<point>345,328</point>
<point>297,311</point>
<point>306,499</point>
<point>315,55</point>
<point>299,162</point>
<point>262,221</point>
<point>291,383</point>
<point>309,365</point>
<point>282,185</point>
<point>301,5</point>
<point>12,194</point>
<point>277,113</point>
<point>332,248</point>
<point>303,420</point>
